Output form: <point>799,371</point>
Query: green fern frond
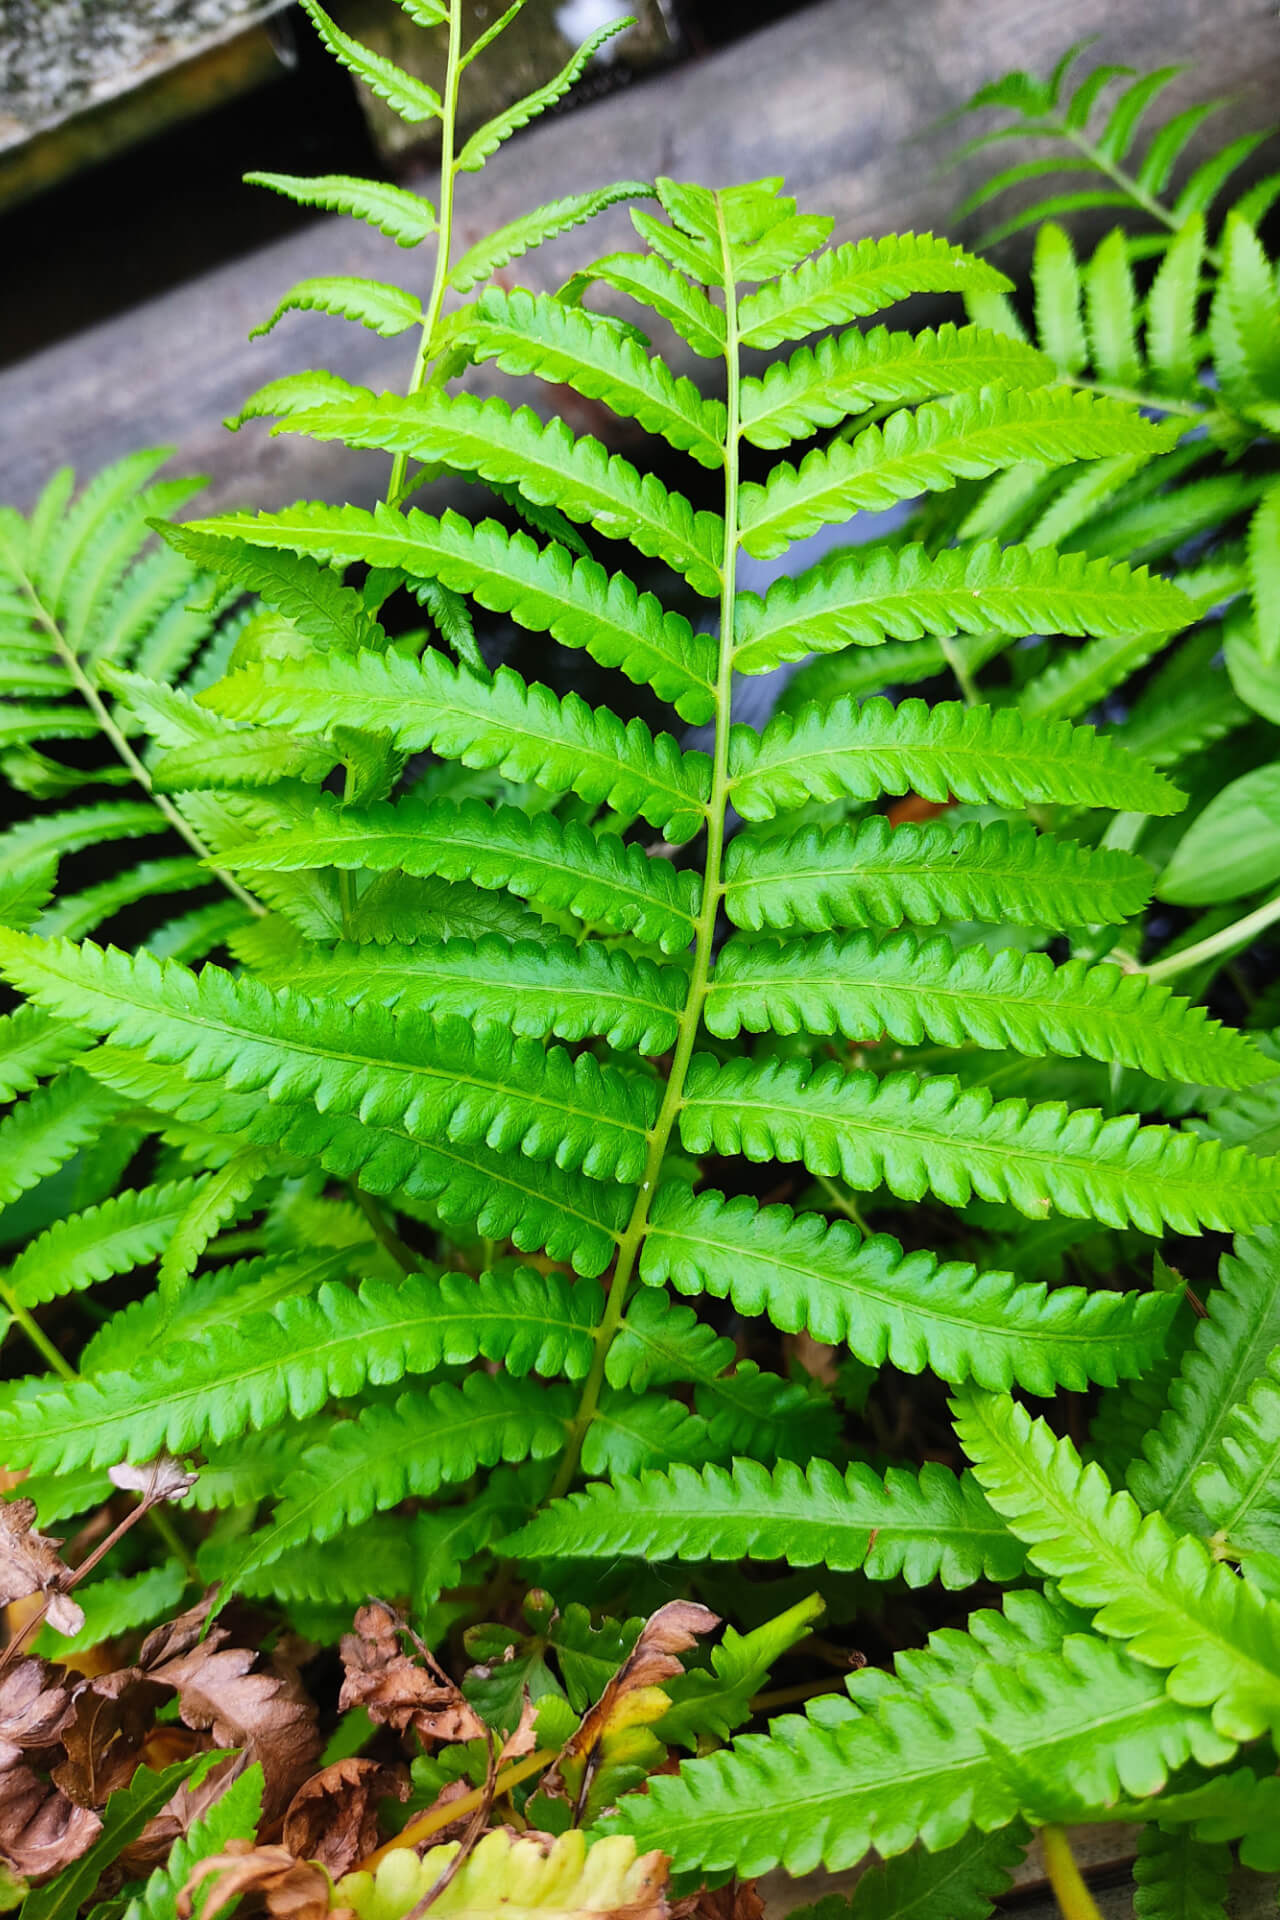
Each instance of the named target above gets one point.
<point>408,97</point>
<point>852,281</point>
<point>711,1704</point>
<point>119,1605</point>
<point>865,595</point>
<point>1236,1484</point>
<point>921,1136</point>
<point>931,449</point>
<point>309,595</point>
<point>490,137</point>
<point>660,1341</point>
<point>288,1363</point>
<point>823,1791</point>
<point>233,1816</point>
<point>1178,1877</point>
<point>567,346</point>
<point>915,989</point>
<point>404,217</point>
<point>959,1883</point>
<point>530,230</point>
<point>543,459</point>
<point>440,1080</point>
<point>384,308</point>
<point>544,589</point>
<point>869,873</point>
<point>128,1230</point>
<point>558,865</point>
<point>655,285</point>
<point>843,373</point>
<point>558,987</point>
<point>41,1133</point>
<point>1243,322</point>
<point>423,1442</point>
<point>921,1526</point>
<point>857,751</point>
<point>1163,1593</point>
<point>907,1309</point>
<point>32,1046</point>
<point>1233,1343</point>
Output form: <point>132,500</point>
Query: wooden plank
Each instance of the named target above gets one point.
<point>843,99</point>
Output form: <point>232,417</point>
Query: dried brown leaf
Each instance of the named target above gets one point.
<point>111,1716</point>
<point>225,1692</point>
<point>293,1889</point>
<point>397,1691</point>
<point>30,1563</point>
<point>163,1479</point>
<point>41,1831</point>
<point>736,1900</point>
<point>35,1705</point>
<point>333,1817</point>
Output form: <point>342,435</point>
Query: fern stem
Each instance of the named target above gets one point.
<point>35,1334</point>
<point>705,927</point>
<point>1238,934</point>
<point>1155,402</point>
<point>1128,185</point>
<point>383,1232</point>
<point>436,1817</point>
<point>98,708</point>
<point>444,227</point>
<point>1070,1891</point>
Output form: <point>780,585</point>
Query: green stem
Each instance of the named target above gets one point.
<point>1070,1891</point>
<point>444,227</point>
<point>1127,184</point>
<point>959,666</point>
<point>1157,403</point>
<point>705,926</point>
<point>383,1232</point>
<point>98,708</point>
<point>1238,934</point>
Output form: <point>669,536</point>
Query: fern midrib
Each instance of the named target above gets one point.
<point>97,707</point>
<point>444,228</point>
<point>690,1017</point>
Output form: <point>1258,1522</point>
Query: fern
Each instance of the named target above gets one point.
<point>429,962</point>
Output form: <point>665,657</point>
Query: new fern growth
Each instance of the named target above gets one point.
<point>520,1016</point>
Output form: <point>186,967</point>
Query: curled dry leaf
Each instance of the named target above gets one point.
<point>673,1629</point>
<point>30,1563</point>
<point>111,1716</point>
<point>35,1705</point>
<point>179,1814</point>
<point>736,1900</point>
<point>398,1691</point>
<point>293,1889</point>
<point>225,1692</point>
<point>163,1479</point>
<point>41,1831</point>
<point>333,1817</point>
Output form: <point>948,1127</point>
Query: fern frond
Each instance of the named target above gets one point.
<point>423,1442</point>
<point>32,1046</point>
<point>530,230</point>
<point>849,282</point>
<point>559,865</point>
<point>1236,1484</point>
<point>543,460</point>
<point>408,97</point>
<point>1244,320</point>
<point>915,989</point>
<point>120,1605</point>
<point>309,595</point>
<point>544,589</point>
<point>715,1703</point>
<point>384,308</point>
<point>857,751</point>
<point>440,1080</point>
<point>962,1882</point>
<point>921,1136</point>
<point>921,1526</point>
<point>1233,1344</point>
<point>41,1133</point>
<point>499,720</point>
<point>1163,1593</point>
<point>404,217</point>
<point>908,1309</point>
<point>841,374</point>
<point>75,914</point>
<point>865,595</point>
<point>660,1341</point>
<point>1178,1877</point>
<point>867,873</point>
<point>503,1195</point>
<point>233,1816</point>
<point>560,987</point>
<point>927,451</point>
<point>488,138</point>
<point>824,1790</point>
<point>535,333</point>
<point>1171,337</point>
<point>653,284</point>
<point>126,1231</point>
<point>289,1362</point>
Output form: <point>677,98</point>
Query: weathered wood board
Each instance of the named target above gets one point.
<point>843,98</point>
